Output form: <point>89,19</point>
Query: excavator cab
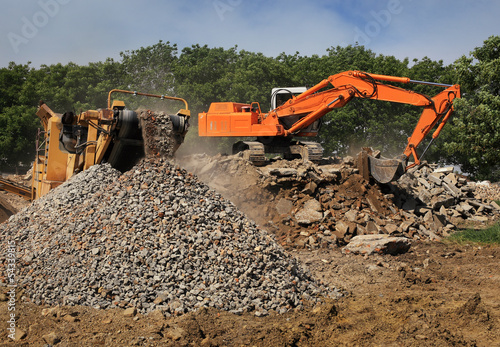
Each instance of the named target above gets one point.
<point>255,107</point>
<point>281,95</point>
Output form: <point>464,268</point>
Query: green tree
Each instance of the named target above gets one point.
<point>73,87</point>
<point>475,140</point>
<point>18,126</point>
<point>17,123</point>
<point>205,75</point>
<point>12,80</point>
<point>61,87</point>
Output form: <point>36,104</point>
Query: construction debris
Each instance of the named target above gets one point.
<point>443,196</point>
<point>325,205</point>
<point>158,134</point>
<point>156,237</point>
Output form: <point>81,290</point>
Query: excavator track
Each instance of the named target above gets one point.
<point>307,150</point>
<point>254,151</point>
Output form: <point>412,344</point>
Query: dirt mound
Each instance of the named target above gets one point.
<point>6,210</point>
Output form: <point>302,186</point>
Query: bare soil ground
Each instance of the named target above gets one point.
<point>436,294</point>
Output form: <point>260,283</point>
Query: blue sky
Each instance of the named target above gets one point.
<point>83,31</point>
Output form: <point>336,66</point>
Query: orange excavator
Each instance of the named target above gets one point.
<point>300,116</point>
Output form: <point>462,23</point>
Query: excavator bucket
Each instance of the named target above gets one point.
<point>383,170</point>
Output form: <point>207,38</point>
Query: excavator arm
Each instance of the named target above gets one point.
<point>312,105</point>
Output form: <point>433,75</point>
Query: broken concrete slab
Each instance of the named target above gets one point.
<point>310,188</point>
<point>465,207</point>
<point>372,228</point>
<point>380,243</point>
<point>495,205</point>
<point>341,229</point>
<point>447,169</point>
<point>311,212</point>
<point>424,183</point>
<point>405,226</point>
<point>391,228</point>
<point>283,172</point>
<point>424,196</point>
<point>439,221</point>
<point>456,192</point>
<point>351,215</point>
<point>479,205</point>
<point>451,178</point>
<point>435,178</point>
<point>439,201</point>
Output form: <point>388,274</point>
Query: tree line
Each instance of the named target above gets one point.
<point>202,75</point>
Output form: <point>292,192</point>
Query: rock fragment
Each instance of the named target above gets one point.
<point>350,205</point>
<point>51,338</point>
<point>129,312</point>
<point>381,244</point>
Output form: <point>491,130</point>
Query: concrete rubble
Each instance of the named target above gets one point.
<point>451,198</point>
<point>327,204</point>
<point>157,132</point>
<point>156,237</point>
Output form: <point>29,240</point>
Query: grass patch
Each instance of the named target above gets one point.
<point>490,235</point>
<point>497,201</point>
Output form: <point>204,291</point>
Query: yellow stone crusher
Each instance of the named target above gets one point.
<point>116,135</point>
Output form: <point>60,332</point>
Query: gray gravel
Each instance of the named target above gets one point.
<point>153,238</point>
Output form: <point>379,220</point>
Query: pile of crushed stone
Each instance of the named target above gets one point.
<point>152,238</point>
